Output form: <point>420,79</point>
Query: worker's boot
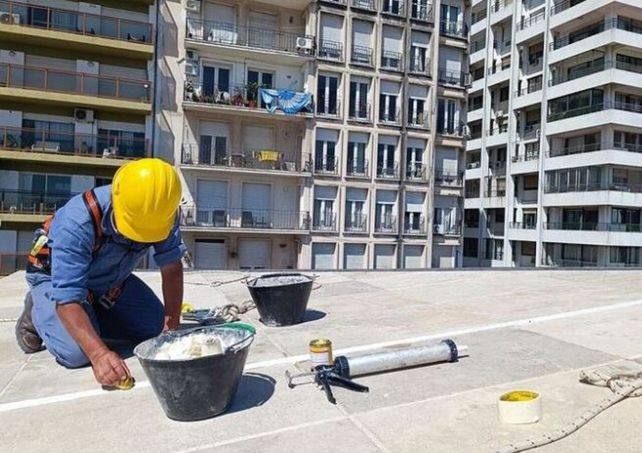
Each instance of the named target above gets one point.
<point>26,334</point>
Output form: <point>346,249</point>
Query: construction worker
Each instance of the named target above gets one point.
<point>82,289</point>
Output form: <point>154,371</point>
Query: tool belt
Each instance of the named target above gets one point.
<point>107,300</point>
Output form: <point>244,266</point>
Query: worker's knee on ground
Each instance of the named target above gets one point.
<point>71,357</point>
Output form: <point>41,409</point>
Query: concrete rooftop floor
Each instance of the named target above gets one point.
<point>524,329</point>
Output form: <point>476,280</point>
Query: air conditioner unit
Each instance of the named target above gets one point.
<point>192,55</point>
<point>84,115</point>
<point>7,18</point>
<point>193,6</point>
<point>305,44</point>
<point>191,69</point>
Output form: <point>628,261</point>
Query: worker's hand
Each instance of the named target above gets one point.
<point>109,368</point>
<point>171,323</point>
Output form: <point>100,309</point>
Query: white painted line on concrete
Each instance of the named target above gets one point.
<point>289,360</point>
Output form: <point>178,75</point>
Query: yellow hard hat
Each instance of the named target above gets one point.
<point>145,196</point>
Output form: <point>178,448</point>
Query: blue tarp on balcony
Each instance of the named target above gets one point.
<point>290,102</point>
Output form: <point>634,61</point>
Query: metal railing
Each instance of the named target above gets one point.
<point>56,80</point>
<point>630,147</point>
<point>630,67</point>
<point>421,12</point>
<point>477,17</point>
<point>387,224</point>
<point>384,172</point>
<point>357,170</point>
<point>597,107</point>
<point>356,224</point>
<point>522,225</point>
<point>449,178</point>
<point>446,230</point>
<point>35,203</point>
<point>231,34</point>
<point>416,171</point>
<point>453,131</point>
<point>473,165</point>
<point>393,7</point>
<point>360,113</point>
<point>420,66</point>
<point>477,46</point>
<point>260,159</point>
<point>327,167</point>
<point>531,87</point>
<point>243,96</point>
<point>526,157</point>
<point>563,5</point>
<point>392,60</point>
<point>330,50</point>
<point>596,28</point>
<point>456,78</point>
<point>204,216</point>
<point>453,29</point>
<point>390,117</point>
<point>498,130</point>
<point>108,146</point>
<point>494,193</point>
<point>563,262</point>
<point>70,21</point>
<point>530,131</point>
<point>579,149</point>
<point>593,186</point>
<point>414,227</point>
<point>327,222</point>
<point>471,191</point>
<point>361,55</point>
<point>329,112</point>
<point>420,120</point>
<point>558,78</point>
<point>594,226</point>
<point>368,5</point>
<point>498,5</point>
<point>531,20</point>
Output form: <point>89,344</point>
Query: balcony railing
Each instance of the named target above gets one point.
<point>446,230</point>
<point>449,178</point>
<point>416,172</point>
<point>368,5</point>
<point>593,186</point>
<point>526,157</point>
<point>476,17</point>
<point>454,29</point>
<point>241,96</point>
<point>326,167</point>
<point>562,77</point>
<point>393,7</point>
<point>456,78</point>
<point>330,111</point>
<point>34,203</point>
<point>260,159</point>
<point>43,141</point>
<point>421,12</point>
<point>536,18</point>
<point>522,226</point>
<point>533,87</point>
<point>203,216</point>
<point>420,120</point>
<point>419,66</point>
<point>387,224</point>
<point>361,55</point>
<point>620,23</point>
<point>390,117</point>
<point>563,5</point>
<point>358,169</point>
<point>326,222</point>
<point>473,165</point>
<point>361,113</point>
<point>586,148</point>
<point>70,21</point>
<point>236,35</point>
<point>498,5</point>
<point>562,262</point>
<point>597,107</point>
<point>357,223</point>
<point>384,172</point>
<point>502,129</point>
<point>55,80</point>
<point>495,193</point>
<point>414,227</point>
<point>391,60</point>
<point>330,50</point>
<point>530,131</point>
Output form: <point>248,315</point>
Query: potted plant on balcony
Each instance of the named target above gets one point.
<point>237,98</point>
<point>252,90</point>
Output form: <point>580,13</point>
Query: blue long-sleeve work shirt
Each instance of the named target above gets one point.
<point>77,269</point>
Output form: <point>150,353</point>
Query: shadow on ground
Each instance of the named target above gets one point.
<point>254,390</point>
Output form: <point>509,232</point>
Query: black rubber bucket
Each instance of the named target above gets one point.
<point>281,299</point>
<point>196,388</point>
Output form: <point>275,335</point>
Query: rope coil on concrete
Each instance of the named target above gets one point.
<point>622,385</point>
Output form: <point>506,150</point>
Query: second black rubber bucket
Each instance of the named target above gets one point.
<point>201,387</point>
<point>281,299</point>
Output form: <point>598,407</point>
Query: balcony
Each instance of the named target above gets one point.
<point>527,22</point>
<point>421,12</point>
<point>567,151</point>
<point>420,121</point>
<point>247,99</point>
<point>619,23</point>
<point>454,29</point>
<point>594,68</point>
<point>386,224</point>
<point>325,223</point>
<point>594,226</point>
<point>366,5</point>
<point>446,230</point>
<point>530,131</point>
<point>419,66</point>
<point>27,206</point>
<point>533,86</point>
<point>415,225</point>
<point>327,167</point>
<point>563,5</point>
<point>82,32</point>
<point>51,147</point>
<point>330,50</point>
<point>449,178</point>
<point>416,172</point>
<point>356,223</point>
<point>495,193</point>
<point>330,110</point>
<point>252,38</point>
<point>362,56</point>
<point>390,118</point>
<point>596,107</point>
<point>392,61</point>
<point>561,262</point>
<point>386,172</point>
<point>358,169</point>
<point>360,113</point>
<point>253,160</point>
<point>204,218</point>
<point>454,78</point>
<point>393,8</point>
<point>73,89</point>
<point>522,226</point>
<point>594,186</point>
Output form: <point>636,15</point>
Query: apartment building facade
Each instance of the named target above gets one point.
<point>75,103</point>
<point>553,162</point>
<point>324,135</point>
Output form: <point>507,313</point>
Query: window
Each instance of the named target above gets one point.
<point>392,6</point>
<point>388,102</point>
<point>628,141</point>
<point>471,218</point>
<point>357,143</point>
<point>324,215</point>
<point>355,215</point>
<point>327,87</point>
<point>625,256</point>
<point>494,249</point>
<point>216,82</point>
<point>121,143</point>
<point>420,9</point>
<point>44,184</point>
<point>448,117</point>
<point>392,47</point>
<point>325,158</point>
<point>385,211</point>
<point>51,134</point>
<point>418,52</point>
<point>446,220</point>
<point>358,108</point>
<point>386,158</point>
<point>331,39</point>
<point>471,246</point>
<point>415,158</point>
<point>413,217</point>
<point>529,220</point>
<point>623,219</point>
<point>256,80</point>
<point>503,94</point>
<point>362,42</point>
